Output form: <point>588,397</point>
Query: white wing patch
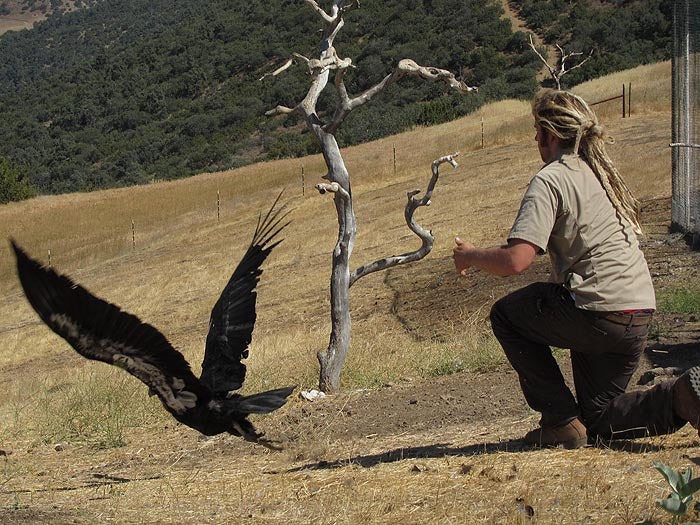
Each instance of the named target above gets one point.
<point>171,390</point>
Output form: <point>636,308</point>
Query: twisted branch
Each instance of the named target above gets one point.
<point>426,236</point>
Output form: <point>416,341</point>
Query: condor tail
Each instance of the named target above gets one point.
<point>264,402</point>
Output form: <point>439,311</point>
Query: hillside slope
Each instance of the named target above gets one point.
<point>105,94</point>
<point>427,429</point>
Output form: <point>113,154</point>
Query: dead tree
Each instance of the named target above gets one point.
<point>338,179</point>
<point>557,72</point>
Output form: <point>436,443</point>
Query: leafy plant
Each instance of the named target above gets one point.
<point>683,487</point>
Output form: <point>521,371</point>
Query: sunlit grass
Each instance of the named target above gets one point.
<point>681,300</point>
<point>181,255</point>
<point>92,405</point>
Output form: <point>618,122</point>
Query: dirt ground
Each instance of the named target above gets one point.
<point>427,297</point>
<point>446,428</point>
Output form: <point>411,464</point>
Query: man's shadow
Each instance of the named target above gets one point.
<point>440,450</point>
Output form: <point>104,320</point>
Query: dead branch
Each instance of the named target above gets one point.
<point>332,187</point>
<point>557,73</point>
<point>426,236</point>
<point>338,178</point>
<point>279,70</point>
<point>336,11</point>
<point>405,67</point>
<point>566,56</point>
<point>280,110</point>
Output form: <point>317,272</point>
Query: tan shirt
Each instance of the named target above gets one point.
<point>594,251</point>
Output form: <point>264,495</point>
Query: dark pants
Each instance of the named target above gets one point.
<point>604,355</point>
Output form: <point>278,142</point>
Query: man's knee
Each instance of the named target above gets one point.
<point>500,321</point>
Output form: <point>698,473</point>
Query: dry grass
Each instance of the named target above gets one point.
<point>181,260</point>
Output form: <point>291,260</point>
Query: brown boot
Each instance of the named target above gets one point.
<point>686,397</point>
<point>569,435</point>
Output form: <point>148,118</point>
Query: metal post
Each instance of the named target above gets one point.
<point>218,205</point>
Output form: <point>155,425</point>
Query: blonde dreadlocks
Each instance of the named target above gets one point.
<point>573,122</point>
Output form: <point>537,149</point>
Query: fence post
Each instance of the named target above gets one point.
<point>629,99</point>
<point>482,132</point>
<point>49,258</point>
<point>218,205</point>
<point>623,100</point>
<point>133,235</point>
<point>303,183</point>
<point>394,159</point>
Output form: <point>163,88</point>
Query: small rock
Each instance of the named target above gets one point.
<point>312,395</point>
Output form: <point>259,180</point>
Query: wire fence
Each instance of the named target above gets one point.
<point>685,145</point>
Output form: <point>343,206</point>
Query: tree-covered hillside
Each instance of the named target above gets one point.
<point>621,33</point>
<point>128,91</point>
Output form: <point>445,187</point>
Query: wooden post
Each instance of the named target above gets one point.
<point>482,132</point>
<point>394,159</point>
<point>133,235</point>
<point>624,106</point>
<point>629,99</point>
<point>303,183</point>
<point>218,205</point>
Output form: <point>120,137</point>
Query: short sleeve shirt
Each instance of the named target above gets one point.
<point>593,250</point>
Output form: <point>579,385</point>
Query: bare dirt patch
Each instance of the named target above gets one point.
<point>429,296</point>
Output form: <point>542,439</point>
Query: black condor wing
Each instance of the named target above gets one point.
<point>233,316</point>
<point>101,331</point>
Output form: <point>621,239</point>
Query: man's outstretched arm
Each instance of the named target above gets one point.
<point>510,259</point>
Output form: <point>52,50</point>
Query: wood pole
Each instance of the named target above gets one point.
<point>623,101</point>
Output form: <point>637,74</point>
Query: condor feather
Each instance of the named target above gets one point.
<point>102,331</point>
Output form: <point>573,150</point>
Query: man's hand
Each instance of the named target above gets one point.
<point>461,255</point>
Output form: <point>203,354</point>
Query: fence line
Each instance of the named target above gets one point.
<point>626,100</point>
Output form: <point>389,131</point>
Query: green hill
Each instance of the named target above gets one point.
<point>123,92</point>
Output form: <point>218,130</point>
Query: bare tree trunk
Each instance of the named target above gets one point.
<point>332,359</point>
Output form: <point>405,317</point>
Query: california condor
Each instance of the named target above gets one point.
<point>102,331</point>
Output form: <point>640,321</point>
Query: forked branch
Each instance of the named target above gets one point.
<point>426,236</point>
<point>405,67</point>
<point>557,72</point>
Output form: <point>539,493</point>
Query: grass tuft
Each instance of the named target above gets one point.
<point>94,408</point>
<point>685,301</point>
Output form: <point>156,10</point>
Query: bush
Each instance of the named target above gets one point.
<point>14,185</point>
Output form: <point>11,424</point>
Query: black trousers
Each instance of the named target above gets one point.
<point>604,355</point>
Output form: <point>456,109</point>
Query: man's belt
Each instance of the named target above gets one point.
<point>631,318</point>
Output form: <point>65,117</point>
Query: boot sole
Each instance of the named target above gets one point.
<point>691,385</point>
<point>693,378</point>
